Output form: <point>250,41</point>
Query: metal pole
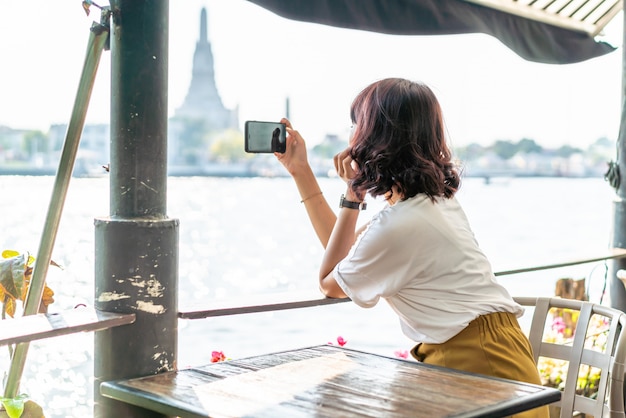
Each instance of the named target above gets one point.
<point>97,40</point>
<point>617,290</point>
<point>136,255</point>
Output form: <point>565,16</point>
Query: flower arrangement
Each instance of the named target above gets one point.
<point>561,331</point>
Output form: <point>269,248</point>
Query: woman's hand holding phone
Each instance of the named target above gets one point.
<point>294,159</point>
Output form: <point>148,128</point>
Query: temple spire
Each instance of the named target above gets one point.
<point>202,111</point>
<point>204,38</point>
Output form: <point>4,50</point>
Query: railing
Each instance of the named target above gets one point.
<point>41,326</point>
<point>266,303</point>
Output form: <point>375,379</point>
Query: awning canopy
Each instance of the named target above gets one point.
<point>587,16</point>
<point>546,31</point>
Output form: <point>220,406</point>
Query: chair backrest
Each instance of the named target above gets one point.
<point>597,346</point>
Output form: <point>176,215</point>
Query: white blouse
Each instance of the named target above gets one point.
<point>423,259</point>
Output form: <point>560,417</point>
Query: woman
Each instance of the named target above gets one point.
<point>419,253</point>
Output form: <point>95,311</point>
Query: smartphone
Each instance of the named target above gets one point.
<point>265,137</point>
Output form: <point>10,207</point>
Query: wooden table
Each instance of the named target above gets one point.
<point>327,381</point>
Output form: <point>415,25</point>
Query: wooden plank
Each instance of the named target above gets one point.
<point>327,381</point>
<point>277,302</point>
<point>36,327</point>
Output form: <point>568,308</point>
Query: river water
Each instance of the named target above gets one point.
<point>242,237</point>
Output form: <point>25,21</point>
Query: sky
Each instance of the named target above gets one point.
<point>487,92</point>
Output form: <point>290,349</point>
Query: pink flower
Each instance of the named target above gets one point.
<point>401,354</point>
<point>217,356</point>
<point>340,341</point>
<point>558,325</point>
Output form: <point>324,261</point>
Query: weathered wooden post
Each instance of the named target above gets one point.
<point>136,248</point>
<point>617,290</point>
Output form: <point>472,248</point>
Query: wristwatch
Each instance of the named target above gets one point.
<point>343,203</point>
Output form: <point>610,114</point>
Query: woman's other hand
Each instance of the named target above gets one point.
<point>294,159</point>
<point>345,165</point>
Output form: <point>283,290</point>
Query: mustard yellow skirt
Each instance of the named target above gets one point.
<point>492,345</point>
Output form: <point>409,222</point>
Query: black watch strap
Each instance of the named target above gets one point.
<point>343,203</point>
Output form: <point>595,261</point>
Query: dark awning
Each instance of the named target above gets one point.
<point>546,34</point>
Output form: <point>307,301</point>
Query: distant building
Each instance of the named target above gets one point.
<point>94,150</point>
<point>202,111</point>
<point>11,147</point>
<point>95,138</point>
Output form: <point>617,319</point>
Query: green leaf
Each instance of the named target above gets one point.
<point>12,275</point>
<point>14,406</point>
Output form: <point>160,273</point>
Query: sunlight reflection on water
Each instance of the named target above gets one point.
<point>251,236</point>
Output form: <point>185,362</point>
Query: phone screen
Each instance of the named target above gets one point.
<point>265,137</point>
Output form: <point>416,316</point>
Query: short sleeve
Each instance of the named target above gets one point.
<point>374,266</point>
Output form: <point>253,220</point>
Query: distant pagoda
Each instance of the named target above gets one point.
<point>203,100</point>
<point>202,107</point>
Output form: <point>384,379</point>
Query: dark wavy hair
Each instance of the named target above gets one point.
<point>399,139</point>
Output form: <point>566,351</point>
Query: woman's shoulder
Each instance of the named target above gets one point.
<point>404,211</point>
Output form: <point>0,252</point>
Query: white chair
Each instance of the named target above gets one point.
<point>610,396</point>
